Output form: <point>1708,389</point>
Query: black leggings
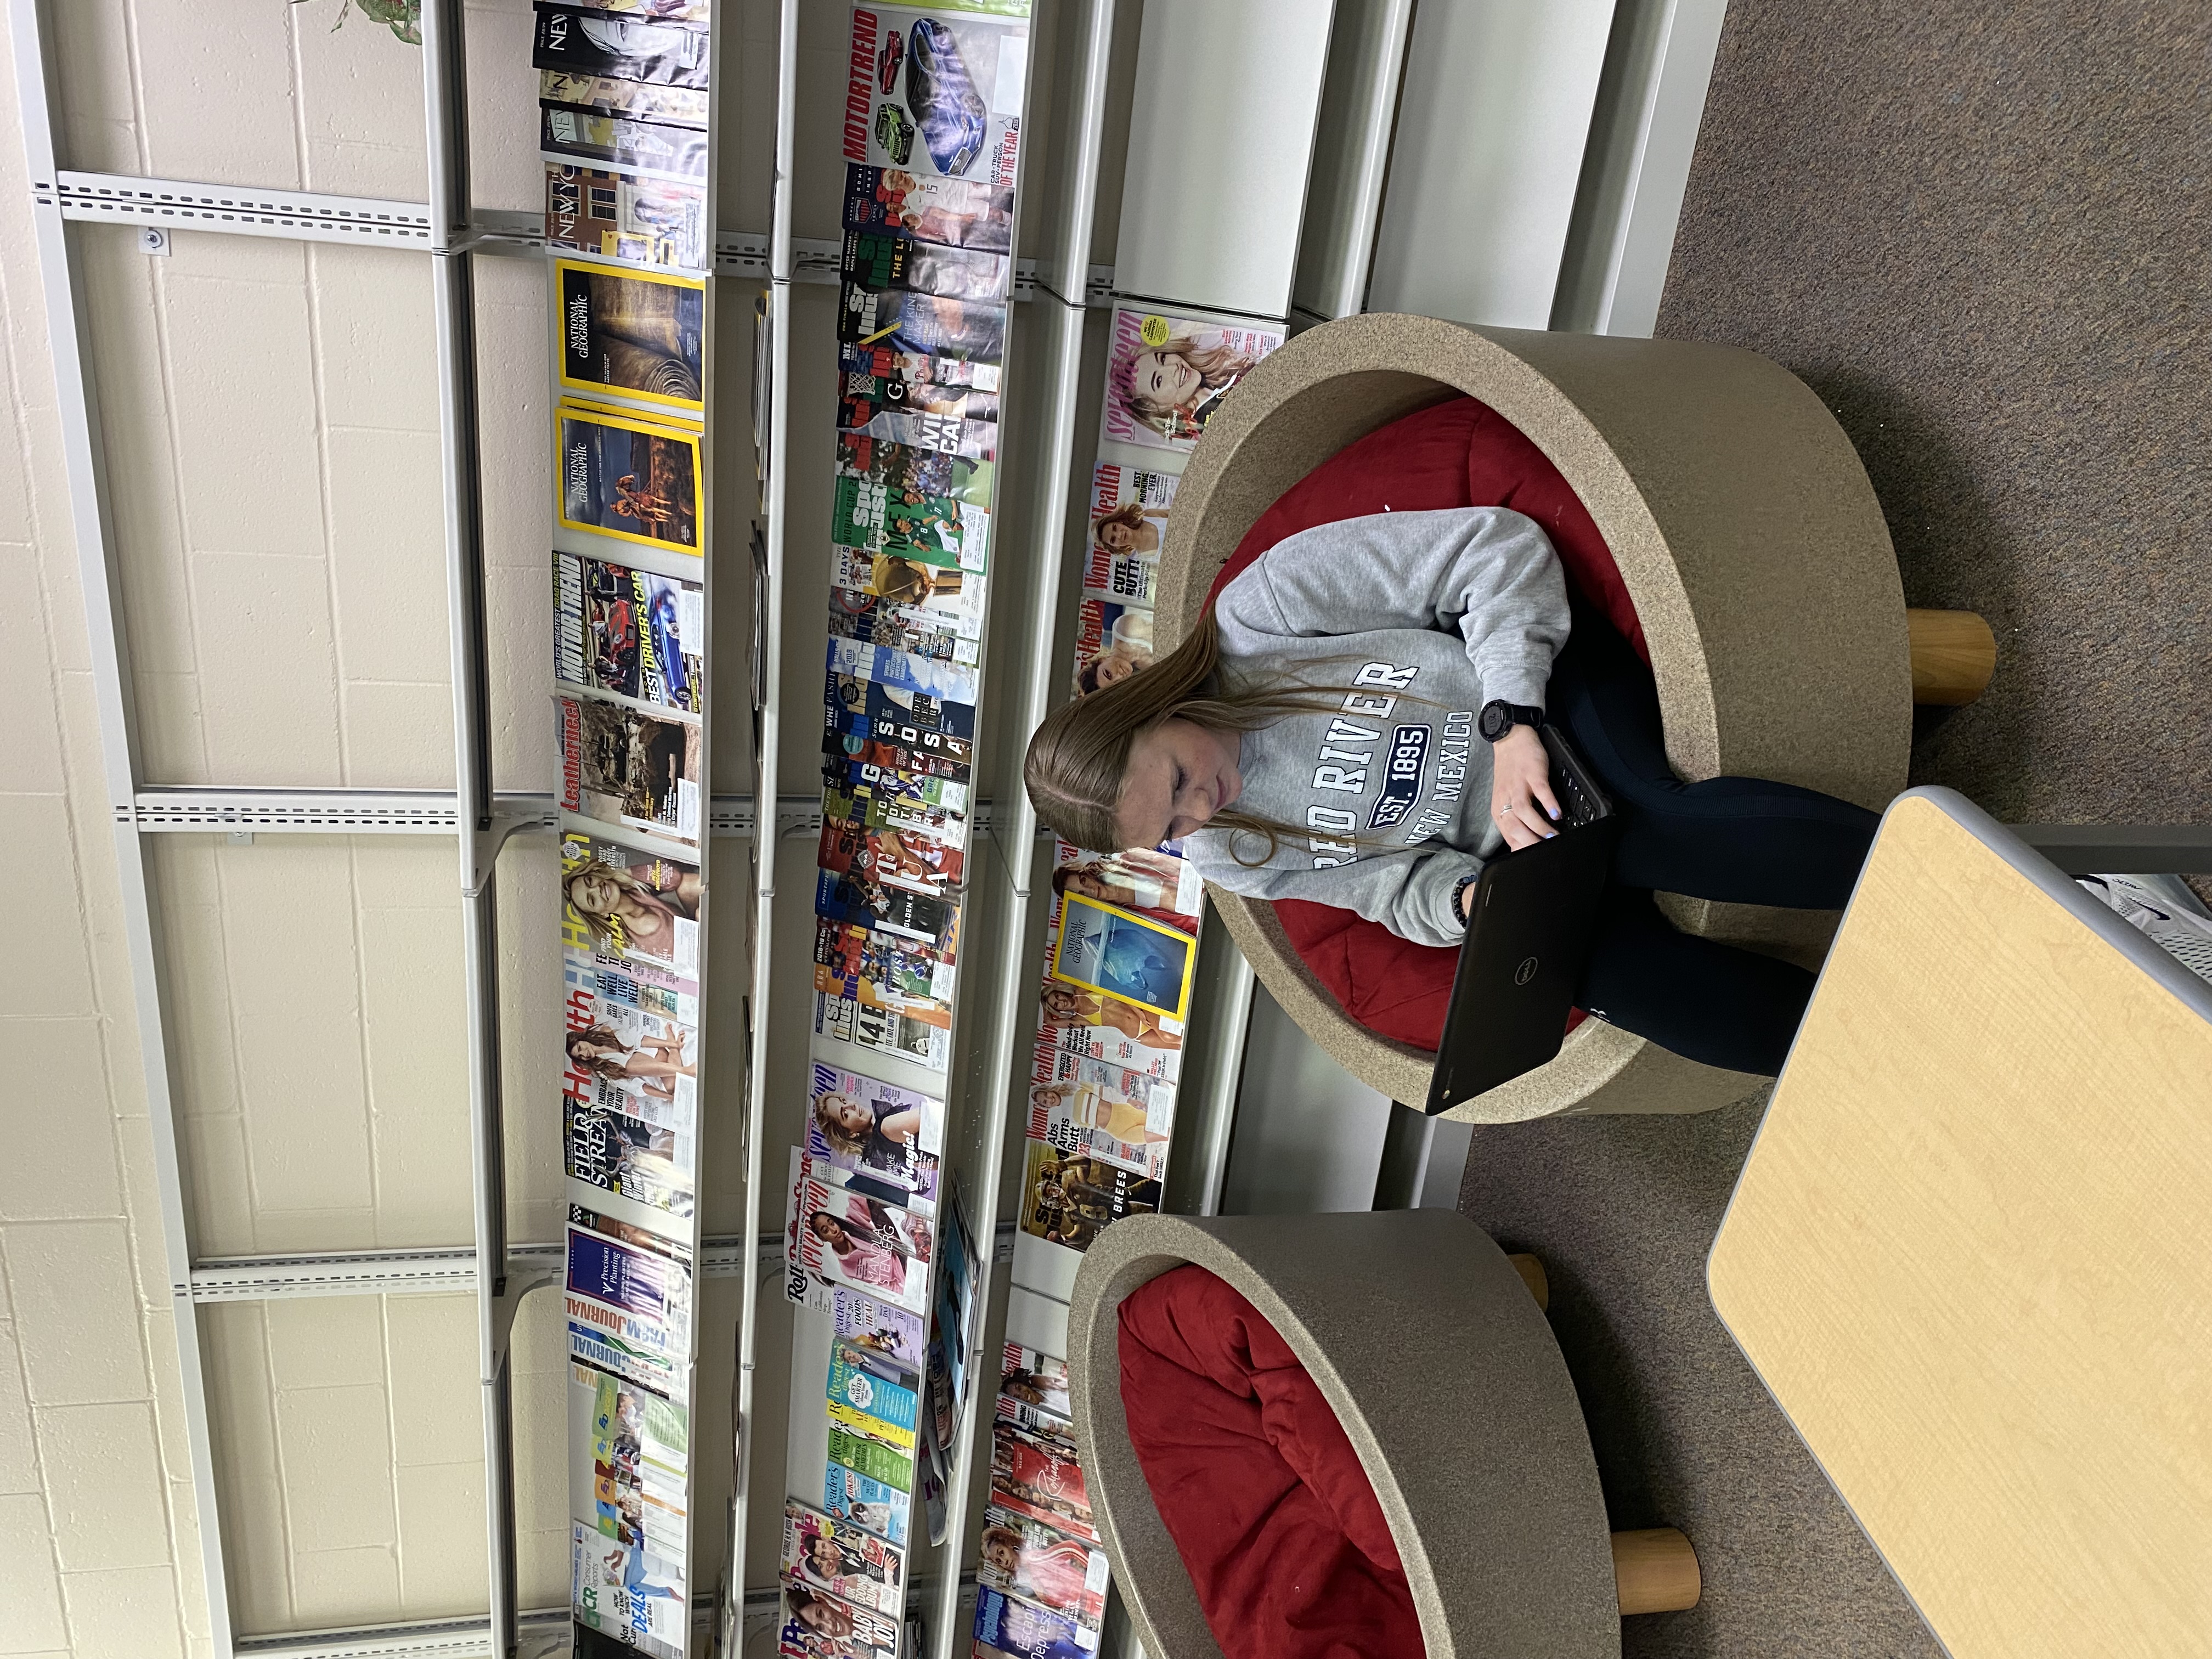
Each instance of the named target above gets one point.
<point>1738,840</point>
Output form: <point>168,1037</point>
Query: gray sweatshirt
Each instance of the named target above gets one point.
<point>1423,617</point>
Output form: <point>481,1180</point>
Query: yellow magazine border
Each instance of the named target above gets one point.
<point>1184,943</point>
<point>627,421</point>
<point>592,391</point>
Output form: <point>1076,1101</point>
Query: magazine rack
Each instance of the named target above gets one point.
<point>1750,541</point>
<point>1405,1320</point>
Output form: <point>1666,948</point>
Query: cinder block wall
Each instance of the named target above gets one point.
<point>271,419</point>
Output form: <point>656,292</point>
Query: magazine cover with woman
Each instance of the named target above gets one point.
<point>936,91</point>
<point>1156,885</point>
<point>1166,375</point>
<point>845,1238</point>
<point>823,1553</point>
<point>858,1199</point>
<point>1037,1475</point>
<point>1023,1557</point>
<point>634,909</point>
<point>816,1624</point>
<point>1128,521</point>
<point>879,1129</point>
<point>1071,1020</point>
<point>1120,1115</point>
<point>1033,1390</point>
<point>623,765</point>
<point>629,633</point>
<point>627,1058</point>
<point>930,208</point>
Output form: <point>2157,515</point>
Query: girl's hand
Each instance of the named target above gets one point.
<point>1521,804</point>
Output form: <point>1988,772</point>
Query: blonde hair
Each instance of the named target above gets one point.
<point>1218,366</point>
<point>1079,759</point>
<point>1130,514</point>
<point>839,1138</point>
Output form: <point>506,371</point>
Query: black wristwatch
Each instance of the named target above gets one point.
<point>1500,718</point>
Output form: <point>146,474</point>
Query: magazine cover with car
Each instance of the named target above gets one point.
<point>1166,375</point>
<point>823,1553</point>
<point>623,765</point>
<point>877,1129</point>
<point>962,213</point>
<point>616,142</point>
<point>627,1462</point>
<point>871,622</point>
<point>814,1625</point>
<point>617,1154</point>
<point>920,325</point>
<point>934,92</point>
<point>634,335</point>
<point>1023,1557</point>
<point>903,472</point>
<point>1120,953</point>
<point>935,529</point>
<point>635,100</point>
<point>1123,1116</point>
<point>953,596</point>
<point>843,1238</point>
<point>636,910</point>
<point>629,633</point>
<point>885,260</point>
<point>620,216</point>
<point>625,477</point>
<point>1067,1198</point>
<point>626,1591</point>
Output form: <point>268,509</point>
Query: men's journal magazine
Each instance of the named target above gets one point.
<point>623,765</point>
<point>628,633</point>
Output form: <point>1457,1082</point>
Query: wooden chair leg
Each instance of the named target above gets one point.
<point>1532,1275</point>
<point>1656,1570</point>
<point>1954,654</point>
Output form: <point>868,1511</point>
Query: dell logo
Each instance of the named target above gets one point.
<point>1526,971</point>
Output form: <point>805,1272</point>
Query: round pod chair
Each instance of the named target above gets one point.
<point>1424,1340</point>
<point>1750,544</point>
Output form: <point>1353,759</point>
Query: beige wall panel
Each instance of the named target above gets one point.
<point>57,977</point>
<point>360,101</point>
<point>197,60</point>
<point>67,1110</point>
<point>126,1610</point>
<point>503,101</point>
<point>28,1583</point>
<point>104,1486</point>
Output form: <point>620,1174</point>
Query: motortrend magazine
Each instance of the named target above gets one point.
<point>931,92</point>
<point>628,633</point>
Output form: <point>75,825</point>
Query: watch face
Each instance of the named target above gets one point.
<point>1497,720</point>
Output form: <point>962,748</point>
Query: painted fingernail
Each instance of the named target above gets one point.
<point>1553,811</point>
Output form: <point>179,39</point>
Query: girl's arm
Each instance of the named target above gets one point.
<point>1409,893</point>
<point>1486,573</point>
<point>902,1125</point>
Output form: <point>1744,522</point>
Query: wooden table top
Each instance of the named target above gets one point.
<point>1970,1252</point>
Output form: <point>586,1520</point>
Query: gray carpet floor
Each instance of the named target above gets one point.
<point>1978,231</point>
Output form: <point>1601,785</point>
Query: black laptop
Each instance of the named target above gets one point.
<point>1527,938</point>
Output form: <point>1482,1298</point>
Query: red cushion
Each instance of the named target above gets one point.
<point>1257,1484</point>
<point>1456,454</point>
